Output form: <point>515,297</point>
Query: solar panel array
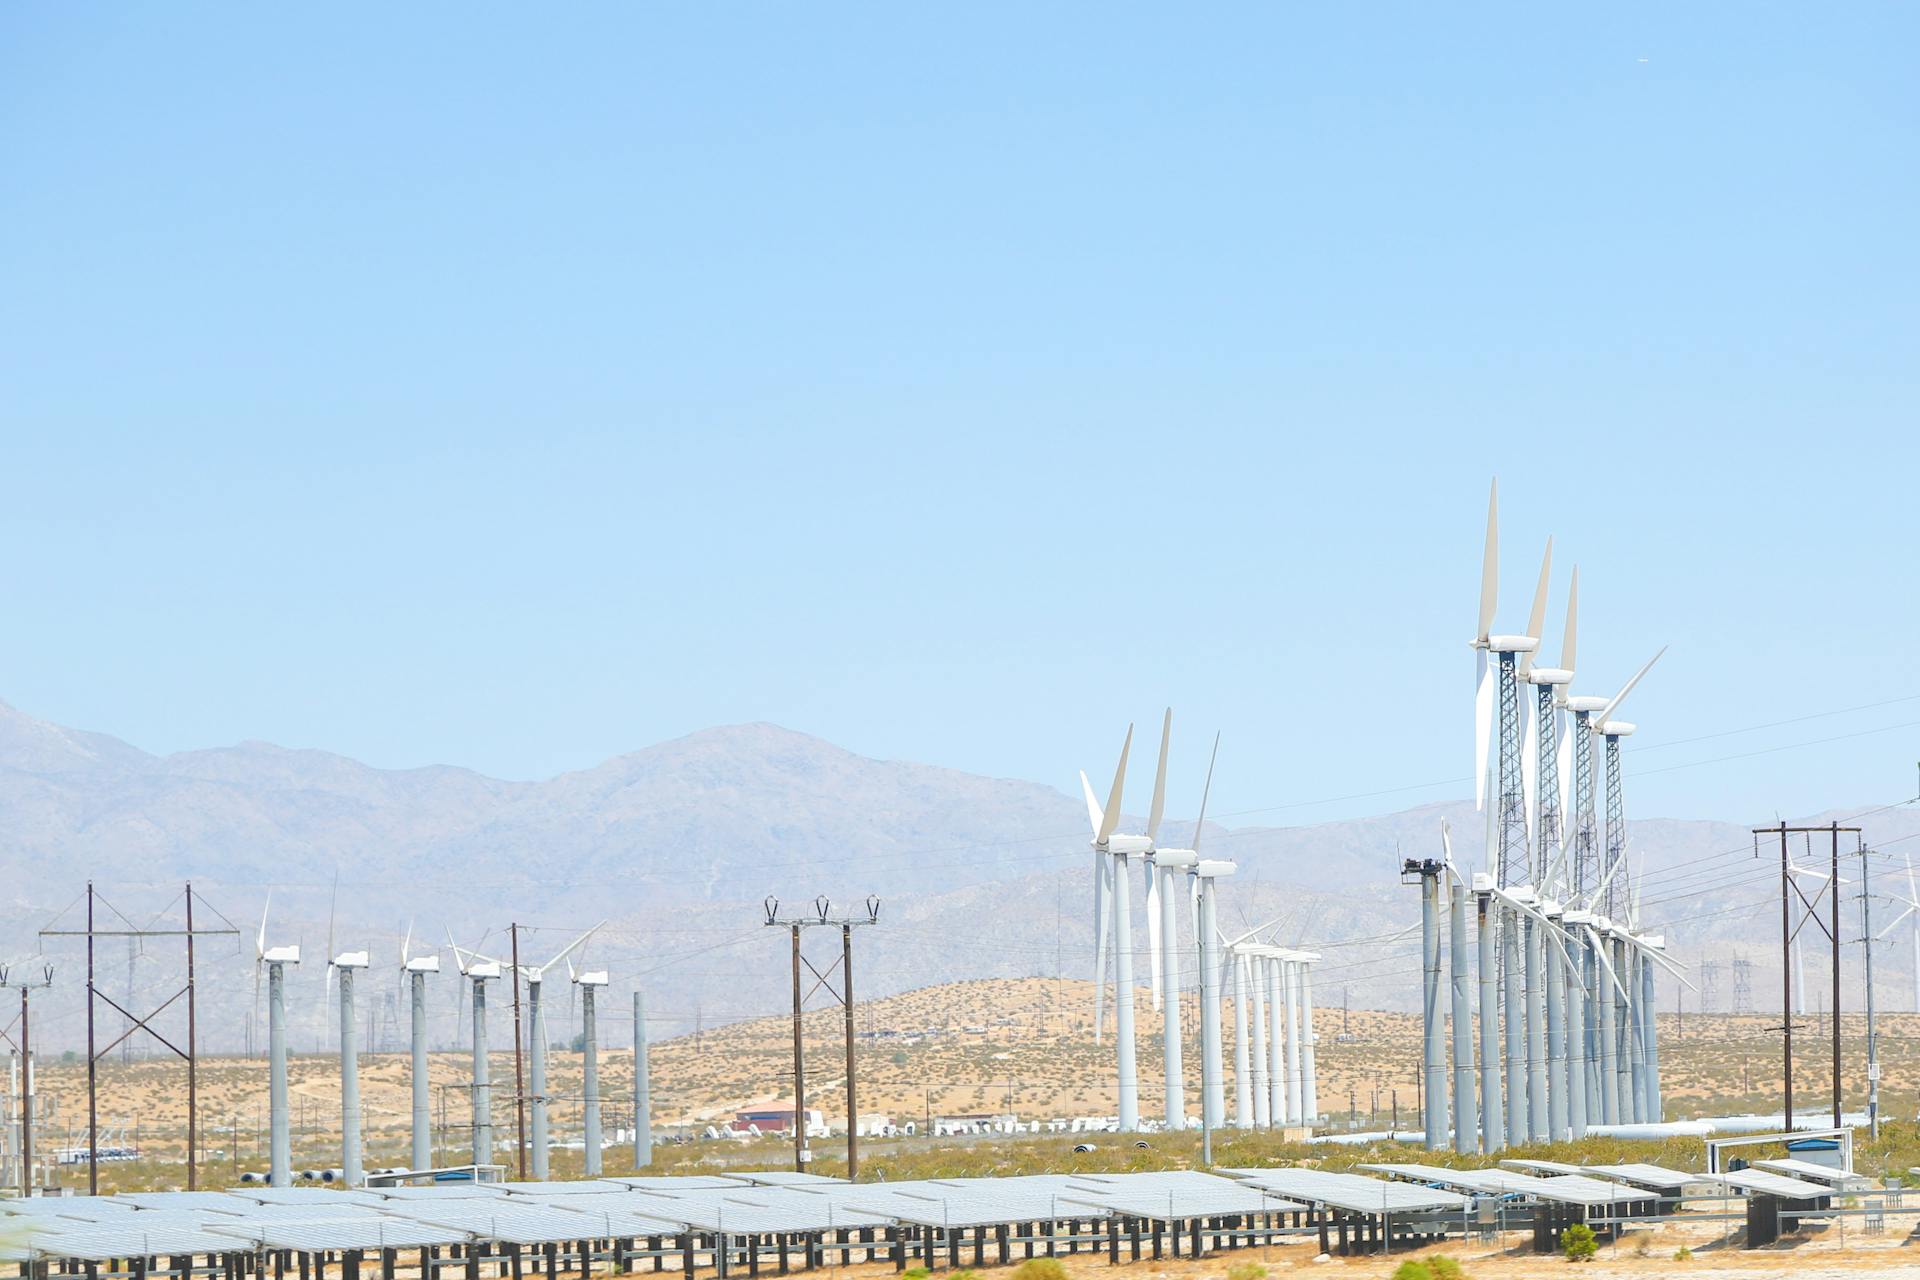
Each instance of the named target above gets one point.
<point>1350,1191</point>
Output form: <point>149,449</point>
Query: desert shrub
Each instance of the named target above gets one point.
<point>1445,1268</point>
<point>916,1273</point>
<point>1413,1269</point>
<point>1246,1271</point>
<point>1040,1269</point>
<point>1683,1254</point>
<point>1577,1243</point>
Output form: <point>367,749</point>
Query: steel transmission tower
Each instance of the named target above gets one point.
<point>1513,859</point>
<point>1742,985</point>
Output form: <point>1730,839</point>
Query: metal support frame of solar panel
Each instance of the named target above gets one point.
<point>1651,1176</point>
<point>1808,1171</point>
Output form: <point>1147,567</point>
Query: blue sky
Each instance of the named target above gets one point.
<point>512,387</point>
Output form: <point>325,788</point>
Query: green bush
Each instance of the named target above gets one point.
<point>916,1273</point>
<point>1445,1268</point>
<point>1413,1269</point>
<point>1246,1271</point>
<point>1683,1254</point>
<point>1577,1243</point>
<point>1040,1269</point>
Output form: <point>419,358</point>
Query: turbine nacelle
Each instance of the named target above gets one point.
<point>422,964</point>
<point>280,955</point>
<point>1175,859</point>
<point>1213,868</point>
<point>1614,729</point>
<point>1512,644</point>
<point>350,960</point>
<point>484,970</point>
<point>1587,702</point>
<point>1555,676</point>
<point>1126,844</point>
<point>591,978</point>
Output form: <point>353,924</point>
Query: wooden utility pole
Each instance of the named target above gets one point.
<point>793,925</point>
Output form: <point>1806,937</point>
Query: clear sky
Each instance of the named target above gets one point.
<point>514,386</point>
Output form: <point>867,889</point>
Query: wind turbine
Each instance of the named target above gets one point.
<point>1165,865</point>
<point>479,970</point>
<point>276,960</point>
<point>1110,853</point>
<point>415,969</point>
<point>535,976</point>
<point>1912,901</point>
<point>589,983</point>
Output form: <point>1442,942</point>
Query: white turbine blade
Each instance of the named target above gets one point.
<point>1094,817</point>
<point>1160,780</point>
<point>1490,564</point>
<point>406,944</point>
<point>1537,619</point>
<point>1573,615</point>
<point>1446,851</point>
<point>1896,921</point>
<point>1627,688</point>
<point>1153,929</point>
<point>570,948</point>
<point>1111,818</point>
<point>1913,894</point>
<point>1482,727</point>
<point>260,944</point>
<point>1600,950</point>
<point>1200,823</point>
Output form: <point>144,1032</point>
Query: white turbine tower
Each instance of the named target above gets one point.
<point>535,976</point>
<point>1165,866</point>
<point>276,960</point>
<point>1912,901</point>
<point>1110,852</point>
<point>479,970</point>
<point>347,963</point>
<point>415,969</point>
<point>590,984</point>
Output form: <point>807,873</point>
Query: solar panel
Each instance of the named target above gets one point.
<point>1644,1175</point>
<point>378,1232</point>
<point>581,1187</point>
<point>784,1178</point>
<point>305,1195</point>
<point>1177,1204</point>
<point>673,1182</point>
<point>1542,1166</point>
<point>1811,1172</point>
<point>99,1243</point>
<point>442,1191</point>
<point>1350,1191</point>
<point>1773,1184</point>
<point>514,1224</point>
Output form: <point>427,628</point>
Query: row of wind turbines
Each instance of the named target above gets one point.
<point>1275,1081</point>
<point>1565,972</point>
<point>476,969</point>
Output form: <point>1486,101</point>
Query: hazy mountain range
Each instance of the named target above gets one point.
<point>677,844</point>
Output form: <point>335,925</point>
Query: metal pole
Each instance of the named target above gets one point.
<point>1833,915</point>
<point>853,1105</point>
<point>1556,981</point>
<point>642,1104</point>
<point>1123,994</point>
<point>1786,976</point>
<point>193,1083</point>
<point>422,1103</point>
<point>1212,1087</point>
<point>1492,1130</point>
<point>519,1074</point>
<point>1242,1085</point>
<point>537,1073</point>
<point>1513,997</point>
<point>93,1067</point>
<point>1576,1064</point>
<point>799,1068</point>
<point>1309,1083</point>
<point>1275,978</point>
<point>1433,1097</point>
<point>279,1142</point>
<point>1533,940</point>
<point>482,1078</point>
<point>349,1084</point>
<point>1466,1118</point>
<point>590,1079</point>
